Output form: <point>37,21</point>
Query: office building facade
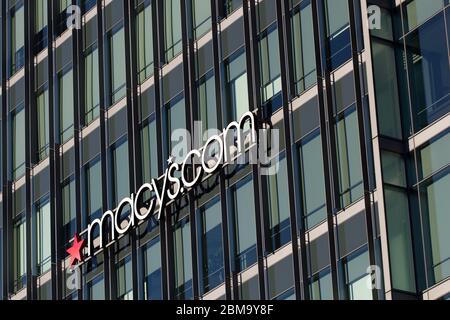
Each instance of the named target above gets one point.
<point>357,90</point>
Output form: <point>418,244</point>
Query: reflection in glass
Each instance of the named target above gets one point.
<point>429,72</point>
<point>355,277</point>
<point>144,42</point>
<point>120,181</point>
<point>18,142</point>
<point>43,241</point>
<point>66,101</point>
<point>303,47</point>
<point>43,126</point>
<point>201,14</point>
<point>116,47</point>
<point>236,87</point>
<point>91,85</point>
<point>152,270</point>
<point>321,287</point>
<point>210,248</point>
<point>435,203</point>
<point>349,160</point>
<point>125,279</point>
<point>338,31</point>
<point>172,28</point>
<point>182,260</point>
<point>244,223</point>
<point>269,56</point>
<point>278,206</point>
<point>312,180</point>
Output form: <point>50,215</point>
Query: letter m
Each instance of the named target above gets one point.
<point>99,223</point>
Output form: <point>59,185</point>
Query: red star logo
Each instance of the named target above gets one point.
<point>75,250</point>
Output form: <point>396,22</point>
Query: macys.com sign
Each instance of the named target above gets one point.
<point>236,141</point>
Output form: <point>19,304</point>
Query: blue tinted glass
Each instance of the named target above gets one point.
<point>152,270</point>
<point>338,32</point>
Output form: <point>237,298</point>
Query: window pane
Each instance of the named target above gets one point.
<point>429,72</point>
<point>69,208</point>
<point>201,12</point>
<point>172,28</point>
<point>43,134</point>
<point>152,270</point>
<point>435,156</point>
<point>387,94</point>
<point>17,29</point>
<point>348,153</point>
<point>338,31</point>
<point>236,88</point>
<point>66,99</point>
<point>418,11</point>
<point>41,14</point>
<point>125,280</point>
<point>400,242</point>
<point>120,182</point>
<point>210,246</point>
<point>244,224</point>
<point>207,103</point>
<point>91,86</point>
<point>176,119</point>
<point>230,5</point>
<point>93,190</point>
<point>149,156</point>
<point>96,289</point>
<point>303,47</point>
<point>278,206</point>
<point>19,254</point>
<point>117,65</point>
<point>63,4</point>
<point>356,277</point>
<point>18,143</point>
<point>43,237</point>
<point>182,260</point>
<point>394,171</point>
<point>270,64</point>
<point>312,180</point>
<point>321,287</point>
<point>435,204</point>
<point>144,42</point>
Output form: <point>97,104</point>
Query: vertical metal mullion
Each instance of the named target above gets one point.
<point>157,54</point>
<point>300,279</point>
<point>103,135</point>
<point>321,75</point>
<point>55,192</point>
<point>223,198</point>
<point>253,77</point>
<point>190,103</point>
<point>132,120</point>
<point>288,48</point>
<point>78,111</point>
<point>6,185</point>
<point>29,94</point>
<point>362,139</point>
